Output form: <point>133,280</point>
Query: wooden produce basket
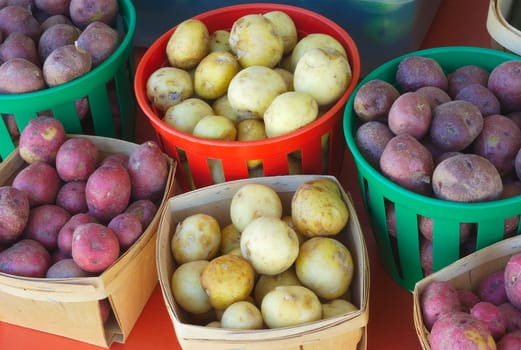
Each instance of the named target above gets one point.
<point>69,307</point>
<point>465,273</point>
<point>347,331</point>
<point>504,35</point>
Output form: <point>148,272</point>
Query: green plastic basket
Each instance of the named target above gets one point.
<point>108,87</point>
<point>401,255</point>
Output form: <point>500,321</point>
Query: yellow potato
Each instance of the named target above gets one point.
<point>325,266</point>
<point>219,41</point>
<point>230,238</point>
<point>215,127</point>
<point>251,130</point>
<point>187,289</point>
<point>285,28</point>
<point>188,44</point>
<point>242,315</point>
<point>214,73</point>
<point>266,283</point>
<point>288,112</point>
<point>255,41</point>
<point>337,307</point>
<point>253,89</point>
<point>186,114</point>
<point>168,86</point>
<point>313,41</point>
<point>287,76</point>
<point>325,74</point>
<point>221,106</point>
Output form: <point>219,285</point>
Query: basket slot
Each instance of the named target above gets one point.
<point>312,159</point>
<point>199,169</point>
<point>277,165</point>
<point>127,109</point>
<point>99,103</point>
<point>68,115</point>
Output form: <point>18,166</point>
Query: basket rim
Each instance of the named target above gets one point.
<point>416,198</point>
<point>162,128</point>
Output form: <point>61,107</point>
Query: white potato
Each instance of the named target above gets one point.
<point>230,238</point>
<point>251,130</point>
<point>186,114</point>
<point>287,76</point>
<point>325,74</point>
<point>266,283</point>
<point>285,28</point>
<point>214,73</point>
<point>187,289</point>
<point>288,112</point>
<point>221,106</point>
<point>255,41</point>
<point>168,86</point>
<point>242,315</point>
<point>337,307</point>
<point>219,41</point>
<point>215,127</point>
<point>252,90</point>
<point>313,41</point>
<point>188,44</point>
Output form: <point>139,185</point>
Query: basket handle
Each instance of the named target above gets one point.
<point>499,28</point>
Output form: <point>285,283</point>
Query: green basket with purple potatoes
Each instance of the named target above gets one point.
<point>422,224</point>
<point>99,102</point>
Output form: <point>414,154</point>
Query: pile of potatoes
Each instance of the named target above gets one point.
<point>266,268</point>
<point>487,318</point>
<point>71,211</point>
<point>45,43</point>
<point>454,136</point>
<point>255,81</point>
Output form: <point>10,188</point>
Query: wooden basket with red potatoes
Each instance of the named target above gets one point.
<point>78,218</point>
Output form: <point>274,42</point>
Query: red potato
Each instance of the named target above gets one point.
<point>511,189</point>
<point>54,19</point>
<point>44,223</point>
<point>19,75</point>
<point>19,45</point>
<point>76,159</point>
<point>415,72</point>
<point>100,40</point>
<point>410,114</point>
<point>94,247</point>
<point>66,268</point>
<point>53,7</point>
<point>505,82</point>
<point>467,299</point>
<point>374,99</point>
<point>64,64</point>
<point>71,197</point>
<point>148,170</point>
<point>127,228</point>
<point>64,240</point>
<point>12,128</point>
<point>510,341</point>
<point>27,258</point>
<point>84,12</point>
<point>491,317</point>
<point>466,75</point>
<point>437,299</point>
<point>144,210</point>
<point>105,309</point>
<point>426,227</point>
<point>56,36</point>
<point>517,164</point>
<point>481,97</point>
<point>119,158</point>
<point>426,256</point>
<point>492,288</point>
<point>513,280</point>
<point>41,139</point>
<point>15,18</point>
<point>434,95</point>
<point>107,191</point>
<point>40,181</point>
<point>371,138</point>
<point>14,213</point>
<point>512,315</point>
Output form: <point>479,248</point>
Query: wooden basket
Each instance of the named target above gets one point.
<point>504,36</point>
<point>347,332</point>
<point>69,307</point>
<point>465,273</point>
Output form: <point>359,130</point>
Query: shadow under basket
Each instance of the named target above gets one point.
<point>400,253</point>
<point>107,89</point>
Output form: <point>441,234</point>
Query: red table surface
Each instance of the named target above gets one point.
<point>458,22</point>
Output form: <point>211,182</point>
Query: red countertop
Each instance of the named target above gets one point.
<point>458,22</point>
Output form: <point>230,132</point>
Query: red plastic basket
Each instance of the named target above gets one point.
<point>272,151</point>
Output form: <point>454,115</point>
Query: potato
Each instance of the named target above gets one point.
<point>55,19</point>
<point>269,244</point>
<point>337,307</point>
<point>196,237</point>
<point>287,306</point>
<point>27,258</point>
<point>374,99</point>
<point>117,158</point>
<point>438,298</point>
<point>319,254</point>
<point>467,299</point>
<point>144,209</point>
<point>512,282</point>
<point>66,268</point>
<point>504,81</point>
<point>512,315</point>
<point>94,247</point>
<point>414,72</point>
<point>491,317</point>
<point>221,106</point>
<point>251,130</point>
<point>41,139</point>
<point>466,75</point>
<point>323,73</point>
<point>226,279</point>
<point>14,213</point>
<point>499,142</point>
<point>19,45</point>
<point>17,18</point>
<point>466,178</point>
<point>100,40</point>
<point>371,138</point>
<point>481,97</point>
<point>219,41</point>
<point>510,341</point>
<point>66,63</point>
<point>230,239</point>
<point>148,171</point>
<point>215,127</point>
<point>426,227</point>
<point>242,315</point>
<point>410,113</point>
<point>285,28</point>
<point>491,288</point>
<point>64,239</point>
<point>255,41</point>
<point>168,86</point>
<point>252,90</point>
<point>56,36</point>
<point>19,75</point>
<point>434,95</point>
<point>185,115</point>
<point>127,228</point>
<point>76,159</point>
<point>266,283</point>
<point>188,44</point>
<point>214,73</point>
<point>287,76</point>
<point>53,7</point>
<point>71,197</point>
<point>313,41</point>
<point>460,330</point>
<point>84,12</point>
<point>318,209</point>
<point>44,224</point>
<point>288,112</point>
<point>455,125</point>
<point>252,201</point>
<point>187,289</point>
<point>108,191</point>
